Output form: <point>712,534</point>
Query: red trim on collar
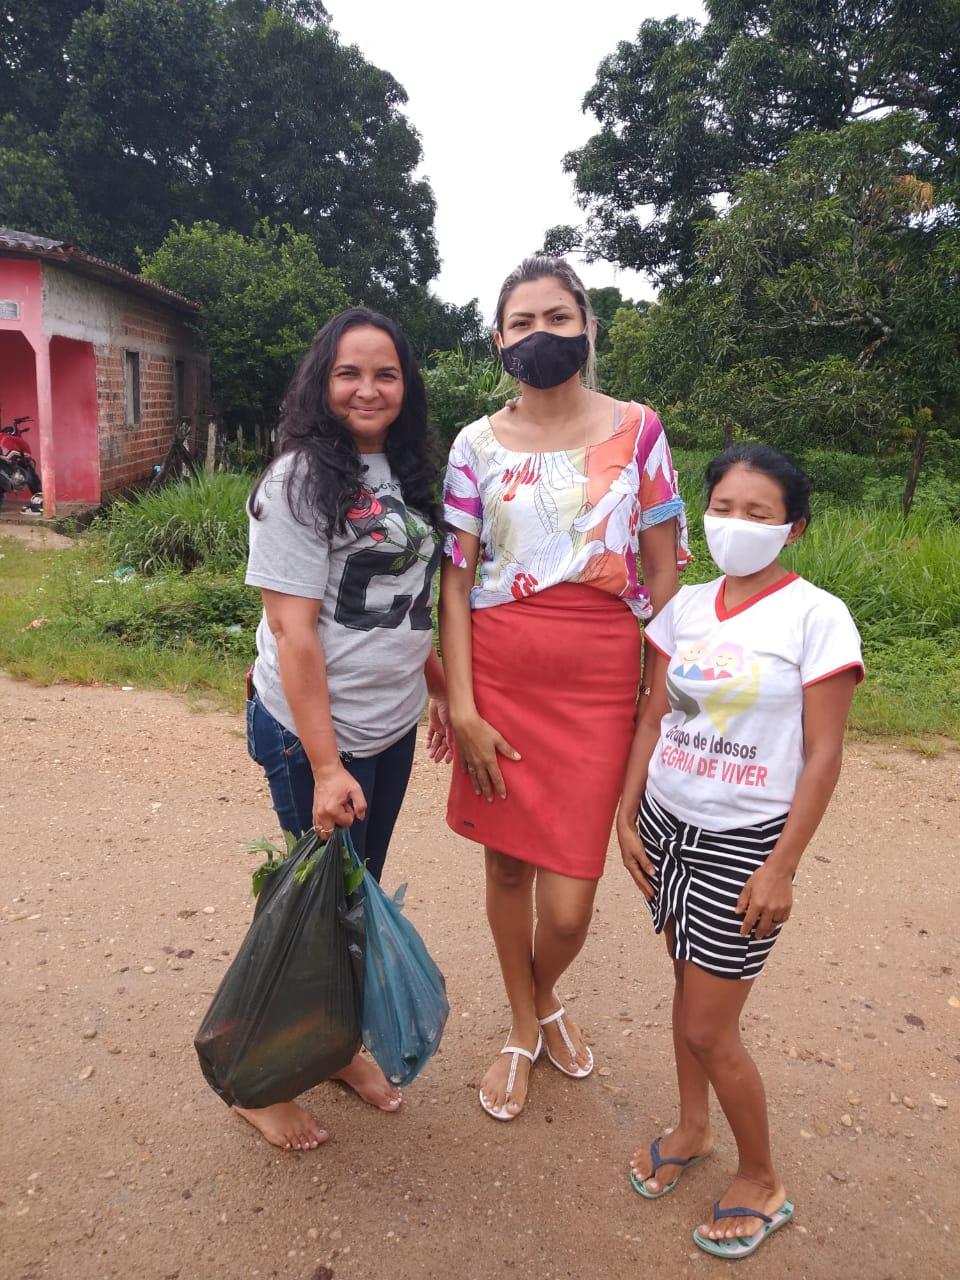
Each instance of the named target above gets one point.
<point>723,613</point>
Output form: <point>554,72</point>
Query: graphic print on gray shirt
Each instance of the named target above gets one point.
<point>374,583</point>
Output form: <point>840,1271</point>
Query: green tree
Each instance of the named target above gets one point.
<point>671,356</point>
<point>35,193</point>
<point>430,323</point>
<point>264,297</point>
<point>825,308</point>
<point>686,110</point>
<point>606,303</point>
<point>33,72</point>
<point>315,136</point>
<point>231,110</point>
<point>144,92</point>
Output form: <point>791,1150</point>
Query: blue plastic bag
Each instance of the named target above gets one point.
<point>405,1003</point>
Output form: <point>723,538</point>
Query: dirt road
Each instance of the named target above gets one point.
<point>124,893</point>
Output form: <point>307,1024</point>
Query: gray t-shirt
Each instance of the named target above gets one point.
<point>374,583</point>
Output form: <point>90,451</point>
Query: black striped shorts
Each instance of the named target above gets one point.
<point>699,877</point>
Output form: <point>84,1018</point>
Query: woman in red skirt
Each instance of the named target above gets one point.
<point>550,500</point>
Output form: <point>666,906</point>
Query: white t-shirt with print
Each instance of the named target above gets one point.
<point>730,752</point>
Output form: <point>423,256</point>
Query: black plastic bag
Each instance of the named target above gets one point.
<point>288,1012</point>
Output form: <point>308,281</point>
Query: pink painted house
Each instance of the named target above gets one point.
<point>103,362</point>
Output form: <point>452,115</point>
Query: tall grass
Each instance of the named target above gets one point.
<point>901,581</point>
<point>197,522</point>
<point>897,577</point>
<point>172,611</point>
<point>108,632</point>
<point>186,621</point>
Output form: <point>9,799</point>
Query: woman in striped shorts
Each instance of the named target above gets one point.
<point>737,752</point>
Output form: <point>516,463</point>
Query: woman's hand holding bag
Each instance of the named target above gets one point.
<point>337,800</point>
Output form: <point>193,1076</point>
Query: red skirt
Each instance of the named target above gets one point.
<point>556,674</point>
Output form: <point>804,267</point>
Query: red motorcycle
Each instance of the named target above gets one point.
<point>17,467</point>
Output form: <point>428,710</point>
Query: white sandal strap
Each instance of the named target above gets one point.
<point>552,1017</point>
<point>512,1048</point>
<point>561,1027</point>
<point>516,1053</point>
<point>512,1077</point>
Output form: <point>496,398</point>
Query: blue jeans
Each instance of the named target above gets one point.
<point>383,777</point>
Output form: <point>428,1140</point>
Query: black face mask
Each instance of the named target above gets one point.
<point>545,360</point>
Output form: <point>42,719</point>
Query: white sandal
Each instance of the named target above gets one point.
<point>501,1113</point>
<point>581,1072</point>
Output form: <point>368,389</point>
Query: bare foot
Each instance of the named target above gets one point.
<point>366,1079</point>
<point>581,1059</point>
<point>682,1144</point>
<point>493,1086</point>
<point>750,1194</point>
<point>285,1125</point>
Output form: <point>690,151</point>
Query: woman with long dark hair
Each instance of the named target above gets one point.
<point>344,546</point>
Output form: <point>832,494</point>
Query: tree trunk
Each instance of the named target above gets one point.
<point>727,434</point>
<point>913,475</point>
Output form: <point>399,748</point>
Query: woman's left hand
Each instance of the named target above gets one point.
<point>765,902</point>
<point>439,733</point>
<point>634,855</point>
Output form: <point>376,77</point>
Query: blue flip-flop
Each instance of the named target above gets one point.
<point>658,1163</point>
<point>742,1246</point>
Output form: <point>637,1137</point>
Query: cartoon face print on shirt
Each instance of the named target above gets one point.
<point>725,661</point>
<point>714,675</point>
<point>691,660</point>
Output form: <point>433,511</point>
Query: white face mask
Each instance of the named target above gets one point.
<point>742,547</point>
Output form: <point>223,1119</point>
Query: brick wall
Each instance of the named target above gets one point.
<point>129,451</point>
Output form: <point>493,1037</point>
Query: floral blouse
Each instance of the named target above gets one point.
<point>571,516</point>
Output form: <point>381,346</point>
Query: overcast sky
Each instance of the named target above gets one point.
<point>494,91</point>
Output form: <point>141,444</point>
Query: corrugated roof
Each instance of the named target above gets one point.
<point>22,244</point>
<point>27,241</point>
